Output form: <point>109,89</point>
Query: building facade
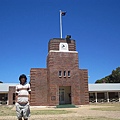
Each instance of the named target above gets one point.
<point>98,93</point>
<point>7,93</point>
<point>61,82</point>
<point>105,92</point>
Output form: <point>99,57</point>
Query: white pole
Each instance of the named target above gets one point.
<point>119,96</point>
<point>60,25</point>
<point>107,97</point>
<point>96,96</point>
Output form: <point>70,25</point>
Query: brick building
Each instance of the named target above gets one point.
<point>62,82</point>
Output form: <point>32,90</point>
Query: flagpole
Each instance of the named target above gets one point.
<point>60,25</point>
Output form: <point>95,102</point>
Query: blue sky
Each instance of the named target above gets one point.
<point>26,26</point>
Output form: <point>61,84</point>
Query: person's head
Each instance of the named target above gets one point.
<point>23,79</point>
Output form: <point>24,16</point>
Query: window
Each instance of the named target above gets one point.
<point>60,73</point>
<point>68,73</point>
<point>64,73</point>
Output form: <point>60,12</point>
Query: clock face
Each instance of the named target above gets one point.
<point>63,47</point>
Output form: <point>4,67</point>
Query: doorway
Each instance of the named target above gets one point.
<point>65,95</point>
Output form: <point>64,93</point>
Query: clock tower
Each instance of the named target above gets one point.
<point>62,81</point>
<point>67,84</point>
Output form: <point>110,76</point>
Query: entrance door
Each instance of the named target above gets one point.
<point>61,96</point>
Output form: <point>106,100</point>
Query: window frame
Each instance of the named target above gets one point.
<point>60,73</point>
<point>69,73</point>
<point>64,73</point>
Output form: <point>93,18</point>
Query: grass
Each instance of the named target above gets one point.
<point>49,112</point>
<point>77,118</point>
<point>106,104</point>
<point>108,107</point>
<point>66,106</point>
<point>93,118</point>
<point>7,111</point>
<point>64,118</point>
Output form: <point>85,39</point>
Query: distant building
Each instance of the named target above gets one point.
<point>104,92</point>
<point>7,93</point>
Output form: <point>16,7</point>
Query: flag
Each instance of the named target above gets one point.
<point>63,13</point>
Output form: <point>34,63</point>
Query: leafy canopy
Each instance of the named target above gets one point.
<point>114,77</point>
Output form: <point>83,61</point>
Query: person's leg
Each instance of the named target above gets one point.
<point>18,111</point>
<point>20,119</point>
<point>26,112</point>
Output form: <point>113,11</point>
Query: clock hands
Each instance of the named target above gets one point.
<point>63,46</point>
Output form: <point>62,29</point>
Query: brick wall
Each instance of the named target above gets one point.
<point>39,89</point>
<point>54,44</point>
<point>10,95</point>
<point>63,61</point>
<point>84,94</point>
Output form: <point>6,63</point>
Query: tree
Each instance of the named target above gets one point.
<point>114,77</point>
<point>1,82</point>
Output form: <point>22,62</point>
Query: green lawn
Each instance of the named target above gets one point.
<point>49,112</point>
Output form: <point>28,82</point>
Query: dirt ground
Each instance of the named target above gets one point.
<point>81,113</point>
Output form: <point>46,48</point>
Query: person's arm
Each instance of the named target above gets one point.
<point>29,93</point>
<point>16,97</point>
<point>29,96</point>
